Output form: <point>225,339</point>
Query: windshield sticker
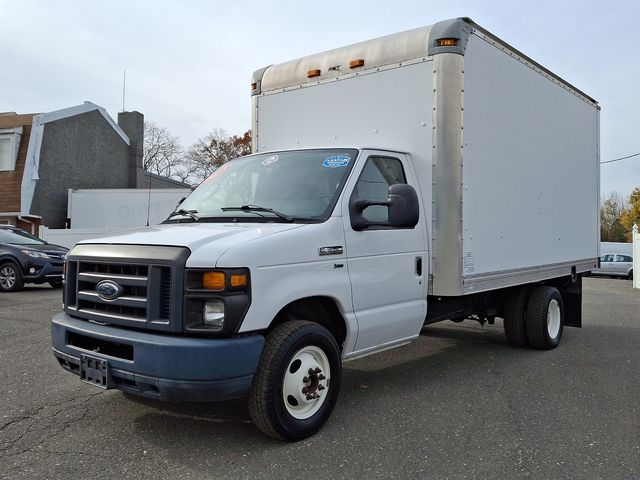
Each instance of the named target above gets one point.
<point>336,161</point>
<point>270,160</point>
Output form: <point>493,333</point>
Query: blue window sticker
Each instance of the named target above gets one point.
<point>336,161</point>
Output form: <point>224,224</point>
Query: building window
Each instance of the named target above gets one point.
<point>8,151</point>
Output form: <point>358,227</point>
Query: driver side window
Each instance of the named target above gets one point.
<point>378,174</point>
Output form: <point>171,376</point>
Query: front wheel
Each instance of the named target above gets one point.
<point>297,381</point>
<point>10,277</point>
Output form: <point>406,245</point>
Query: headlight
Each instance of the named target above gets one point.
<point>216,301</point>
<point>213,314</point>
<point>34,254</point>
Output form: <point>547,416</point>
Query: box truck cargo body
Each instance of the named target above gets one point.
<point>506,153</point>
<point>435,174</point>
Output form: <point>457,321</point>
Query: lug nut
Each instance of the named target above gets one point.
<point>321,377</point>
<point>305,389</point>
<point>320,387</point>
<point>311,372</point>
<point>305,379</point>
<point>317,370</point>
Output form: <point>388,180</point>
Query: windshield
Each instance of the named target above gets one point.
<point>300,186</point>
<point>18,237</point>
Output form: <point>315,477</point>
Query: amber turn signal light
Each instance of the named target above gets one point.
<point>213,281</point>
<point>238,280</point>
<point>313,73</point>
<point>356,63</point>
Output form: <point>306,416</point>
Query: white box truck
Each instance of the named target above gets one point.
<point>435,174</point>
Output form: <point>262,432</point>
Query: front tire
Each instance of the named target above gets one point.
<point>545,318</point>
<point>10,277</point>
<point>295,387</point>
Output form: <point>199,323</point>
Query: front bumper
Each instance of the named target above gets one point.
<point>160,366</point>
<point>43,271</point>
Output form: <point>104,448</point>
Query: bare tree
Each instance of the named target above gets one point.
<point>206,155</point>
<point>163,154</point>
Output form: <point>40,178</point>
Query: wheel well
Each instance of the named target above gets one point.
<point>10,259</point>
<point>321,310</point>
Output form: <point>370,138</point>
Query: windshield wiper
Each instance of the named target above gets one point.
<point>256,208</point>
<point>186,213</point>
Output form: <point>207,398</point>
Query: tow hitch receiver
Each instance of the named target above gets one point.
<point>95,371</point>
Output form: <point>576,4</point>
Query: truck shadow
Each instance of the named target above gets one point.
<point>224,428</point>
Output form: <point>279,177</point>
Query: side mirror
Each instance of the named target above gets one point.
<point>180,202</point>
<point>402,204</point>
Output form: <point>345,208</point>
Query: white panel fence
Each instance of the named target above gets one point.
<point>635,236</point>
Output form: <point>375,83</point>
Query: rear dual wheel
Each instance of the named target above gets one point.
<point>534,317</point>
<point>545,318</point>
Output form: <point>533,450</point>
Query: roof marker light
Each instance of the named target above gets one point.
<point>447,42</point>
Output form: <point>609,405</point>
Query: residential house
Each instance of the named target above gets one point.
<point>44,155</point>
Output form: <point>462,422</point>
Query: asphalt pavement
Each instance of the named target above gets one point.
<point>459,403</point>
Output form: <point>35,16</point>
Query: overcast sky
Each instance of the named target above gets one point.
<point>189,63</point>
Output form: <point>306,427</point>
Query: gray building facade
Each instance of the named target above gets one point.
<point>82,148</point>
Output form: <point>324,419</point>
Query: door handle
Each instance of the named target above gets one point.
<point>419,266</point>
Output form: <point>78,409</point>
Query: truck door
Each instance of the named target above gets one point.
<point>386,265</point>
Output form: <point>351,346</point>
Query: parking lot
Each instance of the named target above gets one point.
<point>458,403</point>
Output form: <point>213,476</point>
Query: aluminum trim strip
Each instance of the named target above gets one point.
<point>508,278</point>
<point>137,302</point>
<point>134,281</point>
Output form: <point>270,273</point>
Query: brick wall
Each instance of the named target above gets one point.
<point>28,227</point>
<point>10,182</point>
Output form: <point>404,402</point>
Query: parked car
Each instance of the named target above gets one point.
<point>616,265</point>
<point>28,259</point>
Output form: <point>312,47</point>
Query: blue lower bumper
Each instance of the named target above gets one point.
<point>157,365</point>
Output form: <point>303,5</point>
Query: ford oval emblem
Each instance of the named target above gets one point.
<point>108,290</point>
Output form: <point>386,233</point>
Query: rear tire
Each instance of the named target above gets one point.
<point>631,275</point>
<point>545,318</point>
<point>297,381</point>
<point>514,317</point>
<point>10,277</point>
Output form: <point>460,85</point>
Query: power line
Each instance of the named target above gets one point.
<point>621,158</point>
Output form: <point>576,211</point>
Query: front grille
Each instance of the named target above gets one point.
<point>145,285</point>
<point>130,305</point>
